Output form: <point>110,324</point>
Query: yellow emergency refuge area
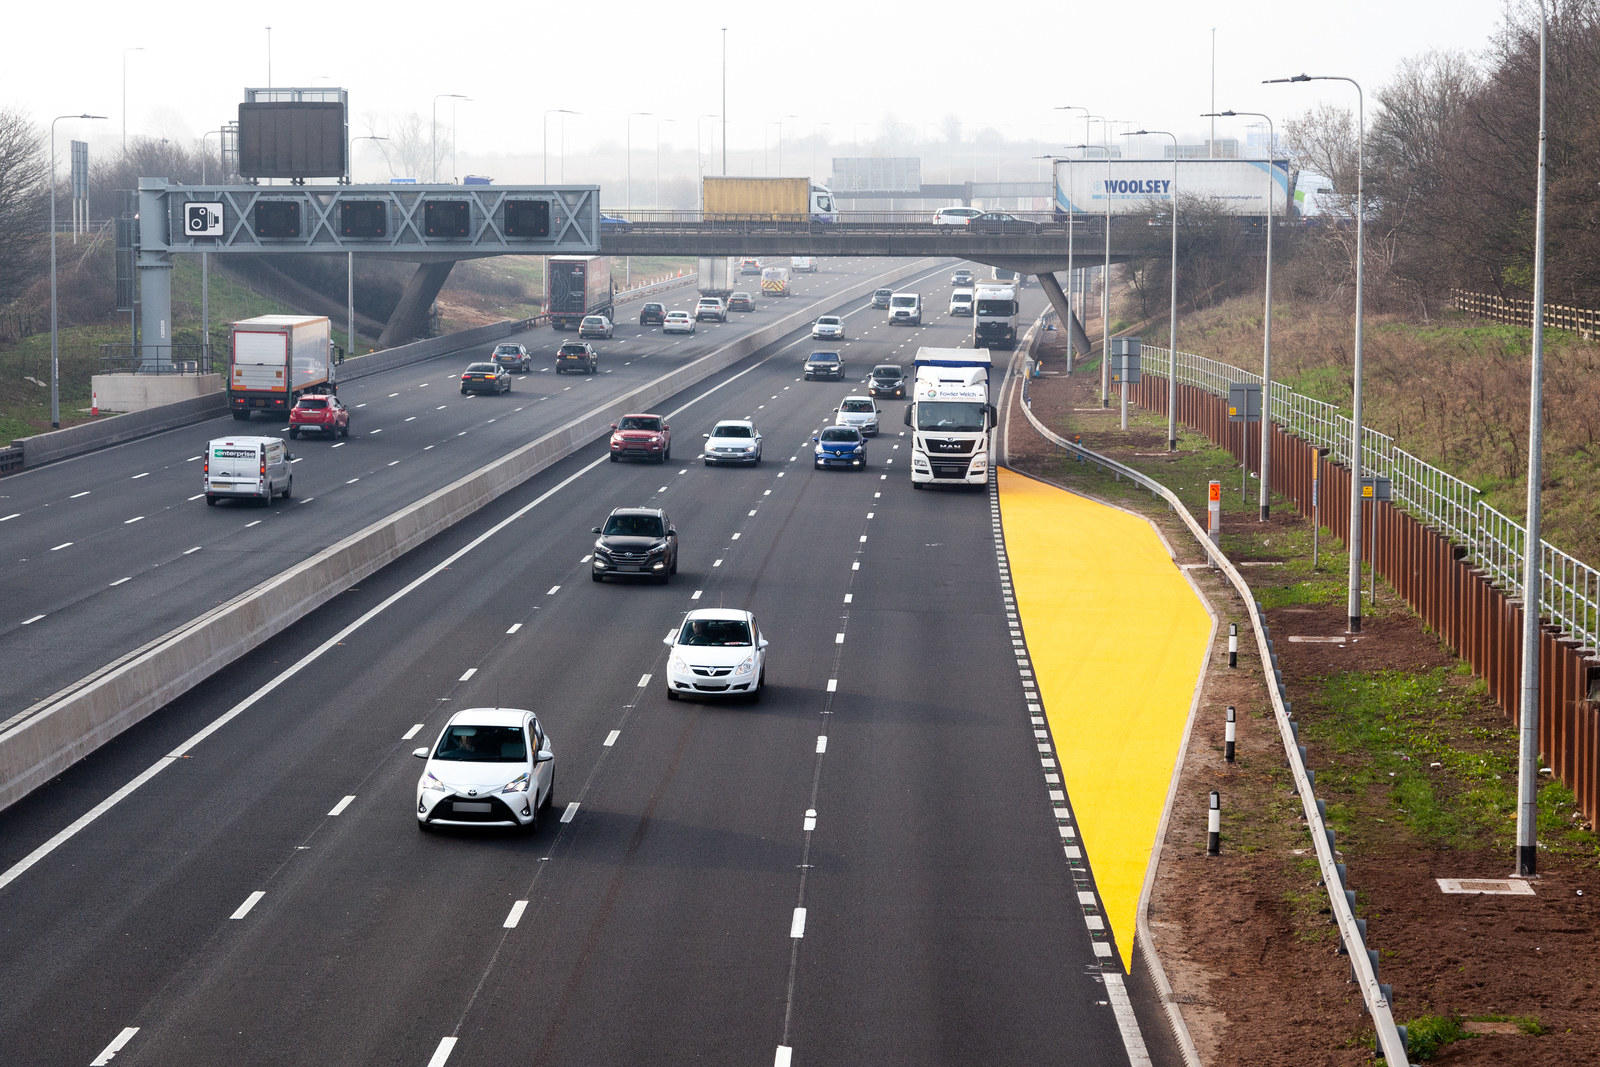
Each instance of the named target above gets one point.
<point>1118,639</point>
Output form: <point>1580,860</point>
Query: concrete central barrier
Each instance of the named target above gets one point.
<point>52,735</point>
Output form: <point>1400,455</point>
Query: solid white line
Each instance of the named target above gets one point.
<point>822,743</point>
<point>797,925</point>
<point>413,732</point>
<point>516,915</point>
<point>470,672</point>
<point>514,628</point>
<point>14,514</point>
<point>64,544</point>
<point>29,622</point>
<point>75,496</point>
<point>441,1053</point>
<point>338,809</point>
<point>110,1051</point>
<point>570,813</point>
<point>136,477</point>
<point>249,902</point>
<point>644,680</point>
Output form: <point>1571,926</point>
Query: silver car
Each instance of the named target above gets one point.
<point>860,413</point>
<point>830,327</point>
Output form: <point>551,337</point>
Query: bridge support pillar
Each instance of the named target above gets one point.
<point>410,318</point>
<point>1077,339</point>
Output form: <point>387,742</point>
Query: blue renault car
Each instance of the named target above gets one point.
<point>840,446</point>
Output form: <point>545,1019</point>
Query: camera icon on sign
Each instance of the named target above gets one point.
<point>202,220</point>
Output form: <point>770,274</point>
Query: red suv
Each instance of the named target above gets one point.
<point>319,413</point>
<point>641,436</point>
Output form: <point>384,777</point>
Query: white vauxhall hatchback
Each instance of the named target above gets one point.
<point>717,652</point>
<point>490,767</point>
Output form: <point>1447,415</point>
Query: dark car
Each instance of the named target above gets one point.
<point>825,365</point>
<point>740,302</point>
<point>642,436</point>
<point>485,378</point>
<point>887,379</point>
<point>998,222</point>
<point>652,314</point>
<point>880,297</point>
<point>636,541</point>
<point>319,413</point>
<point>512,356</point>
<point>840,446</point>
<point>576,355</point>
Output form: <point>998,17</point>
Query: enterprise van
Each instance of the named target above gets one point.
<point>905,309</point>
<point>254,468</point>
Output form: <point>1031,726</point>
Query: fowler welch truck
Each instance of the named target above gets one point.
<point>950,417</point>
<point>272,359</point>
<point>766,200</point>
<point>717,275</point>
<point>576,286</point>
<point>1133,186</point>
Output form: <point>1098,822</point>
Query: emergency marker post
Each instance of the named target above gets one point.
<point>1244,407</point>
<point>1214,515</point>
<point>1214,825</point>
<point>1229,735</point>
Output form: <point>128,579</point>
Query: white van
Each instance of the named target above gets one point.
<point>961,302</point>
<point>805,263</point>
<point>905,309</point>
<point>251,467</point>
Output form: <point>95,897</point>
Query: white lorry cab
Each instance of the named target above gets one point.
<point>994,316</point>
<point>254,468</point>
<point>950,417</point>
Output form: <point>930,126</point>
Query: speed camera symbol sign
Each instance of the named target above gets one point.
<point>202,219</point>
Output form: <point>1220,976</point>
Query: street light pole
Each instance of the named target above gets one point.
<point>1533,546</point>
<point>724,101</point>
<point>55,358</point>
<point>780,141</point>
<point>125,51</point>
<point>350,277</point>
<point>1071,281</point>
<point>1172,315</point>
<point>546,150</point>
<point>455,141</point>
<point>1266,318</point>
<point>433,140</point>
<point>1354,540</point>
<point>205,268</point>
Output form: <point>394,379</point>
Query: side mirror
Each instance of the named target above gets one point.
<point>762,643</point>
<point>813,438</point>
<point>596,530</point>
<point>544,755</point>
<point>670,638</point>
<point>908,415</point>
<point>420,753</point>
<point>706,436</point>
<point>288,455</point>
<point>613,426</point>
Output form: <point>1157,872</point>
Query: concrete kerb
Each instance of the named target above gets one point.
<point>54,734</point>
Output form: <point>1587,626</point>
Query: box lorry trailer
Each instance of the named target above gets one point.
<point>766,199</point>
<point>950,417</point>
<point>994,316</point>
<point>717,275</point>
<point>576,286</point>
<point>273,359</point>
<point>1133,186</point>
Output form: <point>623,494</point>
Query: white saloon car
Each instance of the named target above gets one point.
<point>717,652</point>
<point>733,441</point>
<point>830,327</point>
<point>490,767</point>
<point>678,322</point>
<point>860,413</point>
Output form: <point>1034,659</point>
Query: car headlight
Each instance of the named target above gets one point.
<point>746,665</point>
<point>519,784</point>
<point>430,781</point>
<point>680,664</point>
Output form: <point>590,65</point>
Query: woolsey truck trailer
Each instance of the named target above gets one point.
<point>576,286</point>
<point>950,417</point>
<point>273,359</point>
<point>1134,186</point>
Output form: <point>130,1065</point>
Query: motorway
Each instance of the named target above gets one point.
<point>862,868</point>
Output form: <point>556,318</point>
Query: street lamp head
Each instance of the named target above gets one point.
<point>1219,114</point>
<point>1296,78</point>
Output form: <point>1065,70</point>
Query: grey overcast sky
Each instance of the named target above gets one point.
<point>845,71</point>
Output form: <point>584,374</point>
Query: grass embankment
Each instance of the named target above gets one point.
<point>512,287</point>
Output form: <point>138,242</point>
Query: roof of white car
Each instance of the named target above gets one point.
<point>488,717</point>
<point>732,422</point>
<point>716,613</point>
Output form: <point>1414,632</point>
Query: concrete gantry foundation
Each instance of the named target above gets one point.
<point>410,318</point>
<point>1076,336</point>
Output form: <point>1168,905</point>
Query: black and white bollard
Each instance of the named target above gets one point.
<point>1233,644</point>
<point>1214,825</point>
<point>1228,739</point>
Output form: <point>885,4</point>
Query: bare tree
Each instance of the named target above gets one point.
<point>24,207</point>
<point>409,150</point>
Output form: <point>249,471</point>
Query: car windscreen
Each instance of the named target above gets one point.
<point>633,526</point>
<point>483,744</point>
<point>856,405</point>
<point>311,403</point>
<point>725,632</point>
<point>997,307</point>
<point>951,416</point>
<point>482,368</point>
<point>835,434</point>
<point>903,301</point>
<point>824,357</point>
<point>731,431</point>
<point>506,350</point>
<point>571,349</point>
<point>636,423</point>
<point>888,372</point>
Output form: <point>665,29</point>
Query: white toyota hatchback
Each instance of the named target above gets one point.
<point>717,652</point>
<point>490,767</point>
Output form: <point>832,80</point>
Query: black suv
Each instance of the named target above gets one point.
<point>637,541</point>
<point>652,314</point>
<point>578,355</point>
<point>887,379</point>
<point>880,297</point>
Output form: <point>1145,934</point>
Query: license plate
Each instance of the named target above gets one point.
<point>471,807</point>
